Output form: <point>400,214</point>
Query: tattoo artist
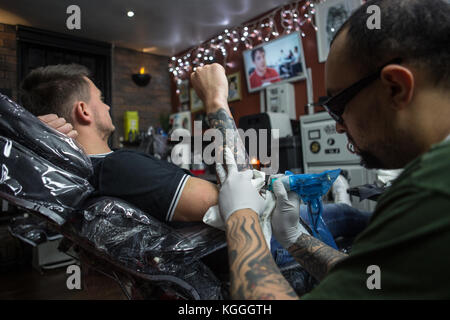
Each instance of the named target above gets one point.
<point>250,259</point>
<point>394,105</point>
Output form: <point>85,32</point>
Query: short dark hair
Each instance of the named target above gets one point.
<point>415,30</point>
<point>53,89</point>
<point>260,49</point>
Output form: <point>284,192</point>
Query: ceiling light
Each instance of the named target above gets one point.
<point>130,14</point>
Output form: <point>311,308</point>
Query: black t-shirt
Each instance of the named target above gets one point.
<point>154,186</point>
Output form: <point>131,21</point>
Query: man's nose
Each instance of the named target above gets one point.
<point>340,128</point>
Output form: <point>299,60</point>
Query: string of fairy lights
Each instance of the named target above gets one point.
<point>293,17</point>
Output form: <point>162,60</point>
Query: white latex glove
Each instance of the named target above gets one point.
<point>286,225</point>
<point>237,191</point>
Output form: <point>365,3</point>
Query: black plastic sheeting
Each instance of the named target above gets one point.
<point>21,126</point>
<point>142,243</point>
<point>50,190</point>
<point>45,173</point>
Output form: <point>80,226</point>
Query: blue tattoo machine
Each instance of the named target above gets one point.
<point>311,188</point>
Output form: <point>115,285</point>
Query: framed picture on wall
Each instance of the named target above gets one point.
<point>330,15</point>
<point>184,91</point>
<point>234,87</point>
<point>196,102</point>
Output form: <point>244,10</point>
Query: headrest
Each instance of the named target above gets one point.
<point>21,126</point>
<point>31,182</point>
<point>41,169</point>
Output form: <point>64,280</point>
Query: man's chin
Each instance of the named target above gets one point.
<point>108,133</point>
<point>369,161</point>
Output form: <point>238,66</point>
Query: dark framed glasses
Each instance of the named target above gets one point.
<point>336,104</point>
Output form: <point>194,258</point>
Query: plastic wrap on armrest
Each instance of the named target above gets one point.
<point>33,183</point>
<point>157,252</point>
<point>18,124</point>
<point>138,239</point>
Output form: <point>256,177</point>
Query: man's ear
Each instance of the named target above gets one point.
<point>83,113</point>
<point>399,82</point>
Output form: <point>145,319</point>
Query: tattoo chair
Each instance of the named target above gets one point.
<point>45,173</point>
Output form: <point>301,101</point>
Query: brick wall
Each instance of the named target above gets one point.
<point>149,101</point>
<point>8,59</point>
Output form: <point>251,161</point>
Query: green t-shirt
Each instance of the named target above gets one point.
<point>408,238</point>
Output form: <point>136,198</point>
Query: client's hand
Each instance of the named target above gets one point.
<point>286,225</point>
<point>59,124</point>
<point>211,85</point>
<point>237,191</point>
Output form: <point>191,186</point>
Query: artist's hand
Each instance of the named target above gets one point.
<point>286,225</point>
<point>211,85</point>
<point>59,124</point>
<point>237,191</point>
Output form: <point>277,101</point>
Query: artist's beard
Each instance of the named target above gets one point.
<point>393,155</point>
<point>370,161</point>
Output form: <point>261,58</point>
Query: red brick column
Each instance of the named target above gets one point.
<point>8,59</point>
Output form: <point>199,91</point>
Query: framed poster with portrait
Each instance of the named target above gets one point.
<point>234,87</point>
<point>330,16</point>
<point>274,62</point>
<point>196,102</point>
<point>183,86</point>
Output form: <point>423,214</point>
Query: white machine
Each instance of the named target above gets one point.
<point>181,120</point>
<point>281,122</point>
<point>280,98</point>
<point>325,149</point>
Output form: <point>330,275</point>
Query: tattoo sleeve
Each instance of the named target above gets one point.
<point>315,256</point>
<point>253,272</point>
<point>223,122</point>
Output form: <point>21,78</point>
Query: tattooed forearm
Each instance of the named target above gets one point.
<point>315,256</point>
<point>254,274</point>
<point>222,121</point>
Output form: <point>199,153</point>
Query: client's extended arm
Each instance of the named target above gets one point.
<point>197,197</point>
<point>211,85</point>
